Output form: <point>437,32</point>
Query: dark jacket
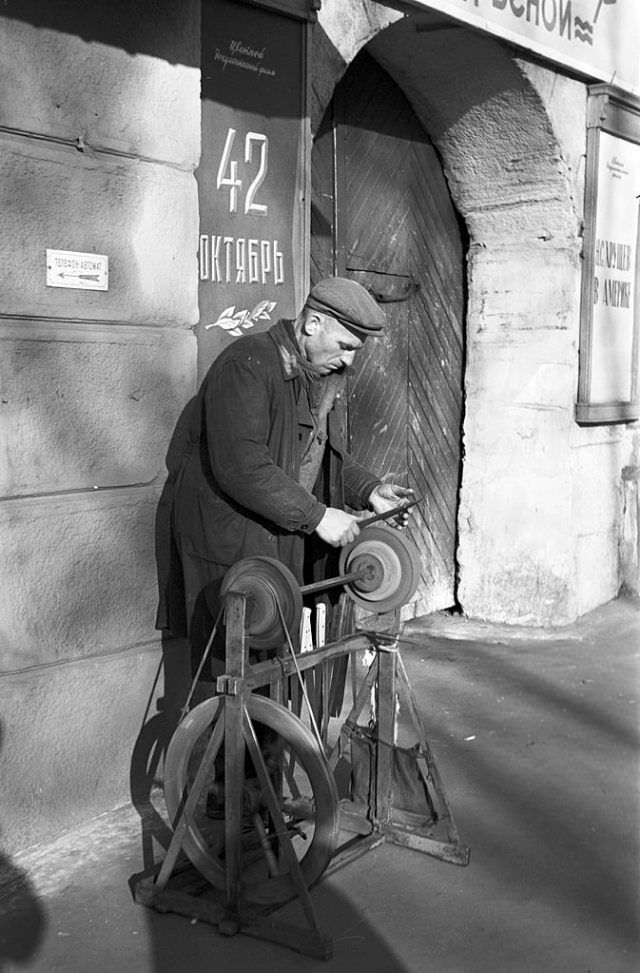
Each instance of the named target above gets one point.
<point>235,493</point>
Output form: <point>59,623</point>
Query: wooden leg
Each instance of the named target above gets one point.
<point>186,816</point>
<point>234,744</point>
<point>386,732</point>
<point>273,806</point>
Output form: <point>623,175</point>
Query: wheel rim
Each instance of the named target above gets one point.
<point>308,801</point>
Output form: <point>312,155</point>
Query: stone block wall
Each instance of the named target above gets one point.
<point>539,545</point>
<point>630,541</point>
<point>99,138</point>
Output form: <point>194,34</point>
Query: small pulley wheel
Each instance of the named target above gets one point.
<point>267,583</point>
<point>390,566</point>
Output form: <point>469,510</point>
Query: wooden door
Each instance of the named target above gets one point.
<point>382,214</point>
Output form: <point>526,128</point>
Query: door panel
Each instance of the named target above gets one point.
<point>377,391</point>
<point>382,214</point>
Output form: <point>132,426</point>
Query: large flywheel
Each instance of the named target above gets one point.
<point>306,794</point>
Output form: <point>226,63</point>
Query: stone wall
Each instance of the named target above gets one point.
<point>630,540</point>
<point>99,130</point>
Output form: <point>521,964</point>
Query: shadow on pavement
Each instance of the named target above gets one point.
<point>22,918</point>
<point>541,746</point>
<point>176,943</point>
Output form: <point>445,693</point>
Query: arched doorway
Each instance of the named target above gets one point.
<point>382,214</point>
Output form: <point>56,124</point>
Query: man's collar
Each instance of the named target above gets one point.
<point>283,335</point>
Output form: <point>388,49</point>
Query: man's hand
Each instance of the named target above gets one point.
<point>337,527</point>
<point>386,496</point>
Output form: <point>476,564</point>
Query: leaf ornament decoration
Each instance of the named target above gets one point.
<point>234,322</point>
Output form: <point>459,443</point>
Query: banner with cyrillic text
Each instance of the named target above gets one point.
<point>250,174</point>
<point>614,261</point>
<point>597,38</point>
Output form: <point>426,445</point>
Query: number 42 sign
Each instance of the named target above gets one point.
<point>228,171</point>
<point>242,256</point>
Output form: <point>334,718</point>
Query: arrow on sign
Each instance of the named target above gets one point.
<point>80,276</point>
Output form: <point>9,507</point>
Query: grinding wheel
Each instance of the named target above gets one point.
<point>391,566</point>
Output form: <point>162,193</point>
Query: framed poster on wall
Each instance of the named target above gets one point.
<point>610,305</point>
<point>254,169</point>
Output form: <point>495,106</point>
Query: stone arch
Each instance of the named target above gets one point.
<point>480,105</point>
<point>513,165</point>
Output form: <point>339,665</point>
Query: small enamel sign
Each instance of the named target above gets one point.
<point>83,271</point>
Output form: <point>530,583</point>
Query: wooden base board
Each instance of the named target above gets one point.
<point>188,894</point>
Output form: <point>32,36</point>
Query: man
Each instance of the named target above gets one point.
<point>265,467</point>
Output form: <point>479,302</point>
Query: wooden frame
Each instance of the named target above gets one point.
<point>170,889</point>
<point>302,9</point>
<point>610,298</point>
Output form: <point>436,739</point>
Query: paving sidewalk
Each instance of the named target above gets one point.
<point>536,737</point>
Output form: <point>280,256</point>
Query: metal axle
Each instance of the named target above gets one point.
<point>309,589</point>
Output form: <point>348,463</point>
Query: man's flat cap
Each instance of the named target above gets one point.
<point>349,303</point>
